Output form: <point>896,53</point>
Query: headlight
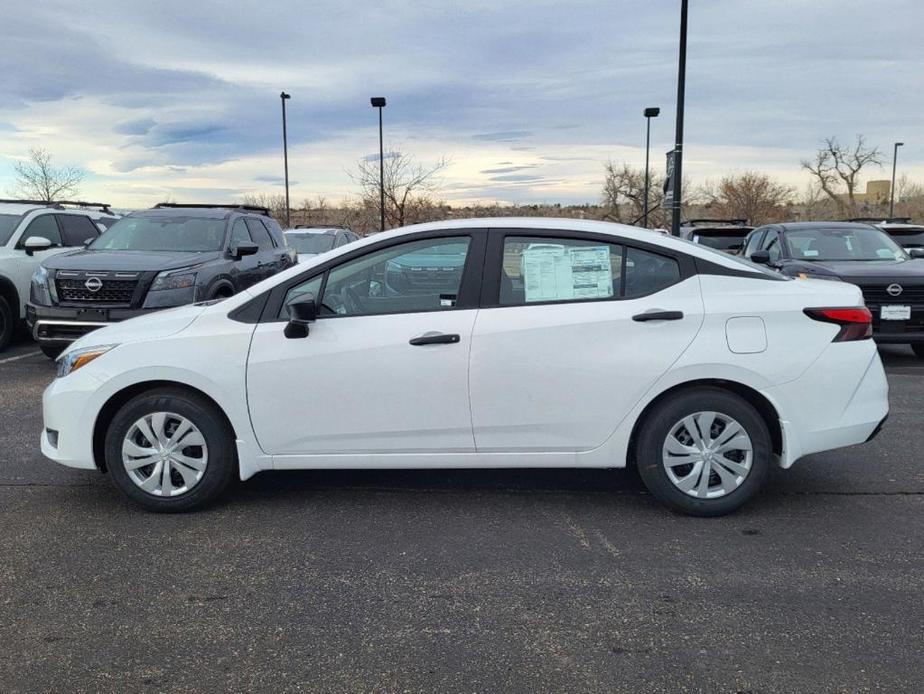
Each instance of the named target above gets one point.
<point>71,361</point>
<point>166,280</point>
<point>40,290</point>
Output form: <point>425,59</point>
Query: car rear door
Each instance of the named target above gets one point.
<point>574,329</point>
<point>384,368</point>
<point>271,259</point>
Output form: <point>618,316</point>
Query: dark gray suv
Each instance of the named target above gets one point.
<point>166,256</point>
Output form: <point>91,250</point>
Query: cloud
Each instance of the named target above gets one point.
<point>503,136</point>
<point>508,169</point>
<point>141,126</point>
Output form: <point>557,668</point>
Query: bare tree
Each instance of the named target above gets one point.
<point>409,187</point>
<point>276,204</point>
<point>624,195</point>
<point>39,179</point>
<point>751,195</point>
<point>835,165</point>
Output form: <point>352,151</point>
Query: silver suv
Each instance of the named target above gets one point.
<point>31,231</point>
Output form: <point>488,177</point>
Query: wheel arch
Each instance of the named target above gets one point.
<point>120,397</point>
<point>764,407</point>
<point>219,284</point>
<point>8,291</point>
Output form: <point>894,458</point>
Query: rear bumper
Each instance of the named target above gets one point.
<point>60,325</point>
<point>898,338</point>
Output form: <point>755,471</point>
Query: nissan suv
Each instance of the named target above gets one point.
<point>30,232</point>
<point>150,260</point>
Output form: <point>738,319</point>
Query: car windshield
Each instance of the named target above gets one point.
<point>310,243</point>
<point>8,224</point>
<point>154,233</point>
<point>861,243</point>
<point>722,240</point>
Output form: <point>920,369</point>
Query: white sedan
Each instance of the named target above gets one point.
<point>513,343</point>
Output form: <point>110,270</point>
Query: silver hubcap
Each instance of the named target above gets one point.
<point>707,455</point>
<point>164,454</point>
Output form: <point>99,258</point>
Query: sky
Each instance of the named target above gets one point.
<point>526,99</point>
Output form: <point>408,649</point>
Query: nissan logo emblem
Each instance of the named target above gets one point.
<point>94,284</point>
<point>894,289</point>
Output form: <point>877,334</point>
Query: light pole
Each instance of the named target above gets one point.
<point>285,151</point>
<point>892,189</point>
<point>678,139</point>
<point>651,112</point>
<point>379,103</point>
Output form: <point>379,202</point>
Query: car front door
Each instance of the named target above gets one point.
<point>44,226</point>
<point>384,368</point>
<point>270,258</point>
<point>573,332</point>
<point>246,271</point>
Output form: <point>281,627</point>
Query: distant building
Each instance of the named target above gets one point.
<point>877,193</point>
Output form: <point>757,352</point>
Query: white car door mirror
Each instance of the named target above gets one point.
<point>36,243</point>
<point>302,311</point>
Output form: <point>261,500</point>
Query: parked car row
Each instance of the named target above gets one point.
<point>68,268</point>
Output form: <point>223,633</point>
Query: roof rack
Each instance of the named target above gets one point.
<point>59,204</point>
<point>883,220</point>
<point>206,206</point>
<point>736,222</point>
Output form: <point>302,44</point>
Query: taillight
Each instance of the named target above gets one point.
<point>855,323</point>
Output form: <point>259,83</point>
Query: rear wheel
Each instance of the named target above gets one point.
<point>7,323</point>
<point>918,348</point>
<point>170,450</point>
<point>704,451</point>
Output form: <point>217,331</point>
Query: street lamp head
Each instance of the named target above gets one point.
<point>899,144</point>
<point>284,96</point>
<point>652,112</point>
<point>377,101</point>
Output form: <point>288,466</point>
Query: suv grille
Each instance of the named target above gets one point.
<point>101,289</point>
<point>876,294</point>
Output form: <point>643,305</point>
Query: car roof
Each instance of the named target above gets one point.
<point>202,212</point>
<point>19,208</point>
<point>809,226</point>
<point>314,230</point>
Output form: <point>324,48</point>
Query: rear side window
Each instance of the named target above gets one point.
<point>260,234</point>
<point>543,269</point>
<point>647,273</point>
<point>77,229</point>
<point>44,226</point>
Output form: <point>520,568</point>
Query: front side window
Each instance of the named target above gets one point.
<point>772,246</point>
<point>542,269</point>
<point>752,243</point>
<point>8,224</point>
<point>860,243</point>
<point>45,227</point>
<point>76,230</point>
<point>163,233</point>
<point>239,234</point>
<point>407,278</point>
<point>260,234</point>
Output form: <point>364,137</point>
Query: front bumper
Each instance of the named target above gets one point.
<point>62,325</point>
<point>67,424</point>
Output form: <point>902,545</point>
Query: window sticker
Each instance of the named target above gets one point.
<point>810,253</point>
<point>552,272</point>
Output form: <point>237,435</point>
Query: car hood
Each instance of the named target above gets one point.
<point>862,269</point>
<point>305,257</point>
<point>150,326</point>
<point>140,261</point>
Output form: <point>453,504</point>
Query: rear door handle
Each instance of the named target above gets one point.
<point>435,339</point>
<point>657,315</point>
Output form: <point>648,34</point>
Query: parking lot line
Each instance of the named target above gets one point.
<point>21,356</point>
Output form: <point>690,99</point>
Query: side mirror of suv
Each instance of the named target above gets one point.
<point>242,249</point>
<point>36,243</point>
<point>760,257</point>
<point>302,311</point>
<point>916,252</point>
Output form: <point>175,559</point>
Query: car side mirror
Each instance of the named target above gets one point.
<point>761,257</point>
<point>916,252</point>
<point>302,311</point>
<point>242,249</point>
<point>36,243</point>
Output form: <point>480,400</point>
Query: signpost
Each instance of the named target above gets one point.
<point>667,201</point>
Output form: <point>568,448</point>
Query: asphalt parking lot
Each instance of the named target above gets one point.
<point>471,581</point>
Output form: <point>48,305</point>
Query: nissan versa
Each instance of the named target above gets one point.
<point>559,343</point>
<point>167,256</point>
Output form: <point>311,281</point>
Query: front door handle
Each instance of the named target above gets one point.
<point>657,315</point>
<point>435,339</point>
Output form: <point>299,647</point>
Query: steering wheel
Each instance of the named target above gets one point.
<point>351,300</point>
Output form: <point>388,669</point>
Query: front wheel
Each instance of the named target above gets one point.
<point>170,450</point>
<point>918,348</point>
<point>704,451</point>
<point>7,324</point>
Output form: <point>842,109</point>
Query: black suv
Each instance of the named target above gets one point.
<point>722,234</point>
<point>166,256</point>
<point>891,278</point>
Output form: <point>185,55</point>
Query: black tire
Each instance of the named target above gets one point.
<point>918,348</point>
<point>51,351</point>
<point>658,424</point>
<point>222,466</point>
<point>7,324</point>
